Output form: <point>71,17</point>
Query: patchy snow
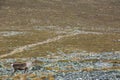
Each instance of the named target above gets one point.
<point>64,30</point>
<point>103,65</point>
<point>86,32</point>
<point>46,28</point>
<point>10,33</point>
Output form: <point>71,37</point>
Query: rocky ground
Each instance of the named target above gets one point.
<point>73,66</point>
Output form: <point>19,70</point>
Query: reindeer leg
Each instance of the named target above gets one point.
<point>26,69</point>
<point>13,72</point>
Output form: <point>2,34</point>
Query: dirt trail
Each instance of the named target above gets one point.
<point>23,48</point>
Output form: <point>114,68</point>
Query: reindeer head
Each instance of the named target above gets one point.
<point>29,64</point>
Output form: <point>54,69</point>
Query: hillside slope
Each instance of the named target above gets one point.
<point>25,14</point>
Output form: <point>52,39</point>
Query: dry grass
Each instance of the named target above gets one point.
<point>91,15</point>
<point>51,77</point>
<point>11,42</point>
<point>25,77</point>
<point>32,75</point>
<point>25,14</point>
<point>48,68</point>
<point>112,61</point>
<point>112,68</point>
<point>89,69</point>
<point>20,77</point>
<point>89,60</point>
<point>63,61</point>
<point>92,42</point>
<point>104,69</point>
<point>87,42</point>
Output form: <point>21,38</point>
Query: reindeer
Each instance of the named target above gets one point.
<point>21,66</point>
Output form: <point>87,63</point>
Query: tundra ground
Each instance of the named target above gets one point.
<point>63,36</point>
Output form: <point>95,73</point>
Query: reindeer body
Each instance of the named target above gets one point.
<point>21,66</point>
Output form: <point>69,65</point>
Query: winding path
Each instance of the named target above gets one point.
<point>23,48</point>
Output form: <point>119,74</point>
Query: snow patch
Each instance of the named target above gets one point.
<point>10,33</point>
